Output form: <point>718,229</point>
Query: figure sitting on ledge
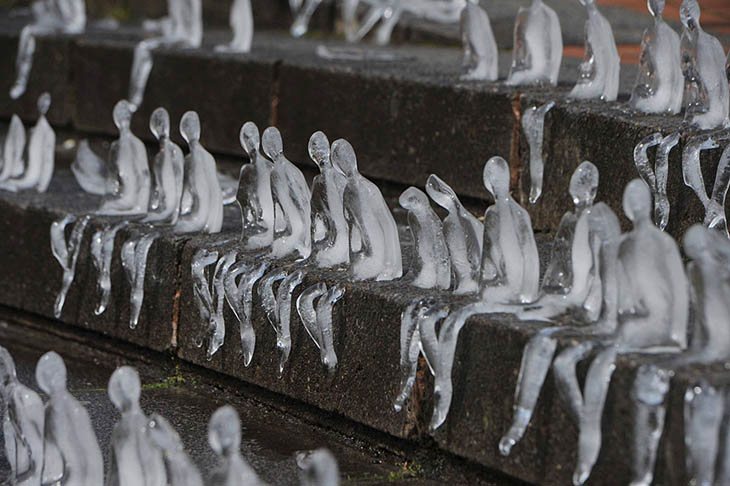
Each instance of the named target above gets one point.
<point>538,46</point>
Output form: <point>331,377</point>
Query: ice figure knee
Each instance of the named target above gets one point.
<point>66,253</point>
<point>538,46</point>
<point>533,126</point>
<point>481,56</point>
<point>241,21</point>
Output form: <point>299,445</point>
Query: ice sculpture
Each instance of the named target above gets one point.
<point>134,261</point>
<point>318,320</point>
<point>292,215</point>
<point>102,249</point>
<point>464,236</point>
<point>481,56</point>
<point>181,470</point>
<point>202,259</point>
<point>12,160</point>
<point>168,170</point>
<point>241,20</point>
<point>254,193</point>
<point>202,200</point>
<point>538,46</point>
<point>659,86</point>
<point>65,16</point>
<point>224,437</point>
<point>23,424</point>
<point>72,454</point>
<point>598,74</point>
<point>300,26</point>
<point>374,243</point>
<point>533,126</point>
<point>704,407</point>
<point>240,298</point>
<point>432,264</point>
<point>66,253</point>
<point>656,177</point>
<point>692,171</point>
<point>135,458</point>
<point>706,92</point>
<point>318,468</point>
<point>91,171</point>
<point>330,245</point>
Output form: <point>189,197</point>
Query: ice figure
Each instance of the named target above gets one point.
<point>135,459</point>
<point>181,470</point>
<point>168,170</point>
<point>432,264</point>
<point>254,192</point>
<point>464,236</point>
<point>318,468</point>
<point>102,249</point>
<point>134,261</point>
<point>202,200</point>
<point>12,160</point>
<point>72,454</point>
<point>704,407</point>
<point>202,259</point>
<point>292,214</point>
<point>318,320</point>
<point>538,46</point>
<point>598,74</point>
<point>66,253</point>
<point>656,177</point>
<point>240,297</point>
<point>659,86</point>
<point>23,424</point>
<point>91,171</point>
<point>706,92</point>
<point>241,20</point>
<point>300,26</point>
<point>224,437</point>
<point>49,16</point>
<point>374,243</point>
<point>533,126</point>
<point>692,171</point>
<point>330,244</point>
<point>481,56</point>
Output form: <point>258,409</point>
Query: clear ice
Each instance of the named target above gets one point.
<point>659,86</point>
<point>692,171</point>
<point>202,259</point>
<point>66,253</point>
<point>240,298</point>
<point>318,320</point>
<point>134,261</point>
<point>598,74</point>
<point>283,313</point>
<point>481,56</point>
<point>374,244</point>
<point>533,125</point>
<point>181,470</point>
<point>102,249</point>
<point>224,437</point>
<point>91,171</point>
<point>706,92</point>
<point>431,265</point>
<point>318,468</point>
<point>241,20</point>
<point>704,407</point>
<point>538,46</point>
<point>254,192</point>
<point>168,169</point>
<point>656,177</point>
<point>12,161</point>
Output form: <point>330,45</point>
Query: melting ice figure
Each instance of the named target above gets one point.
<point>692,171</point>
<point>66,253</point>
<point>533,125</point>
<point>656,177</point>
<point>181,470</point>
<point>318,468</point>
<point>168,170</point>
<point>538,46</point>
<point>224,437</point>
<point>254,193</point>
<point>241,20</point>
<point>318,320</point>
<point>481,56</point>
<point>12,160</point>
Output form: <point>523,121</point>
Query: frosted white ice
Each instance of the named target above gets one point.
<point>481,56</point>
<point>66,252</point>
<point>656,177</point>
<point>714,204</point>
<point>224,437</point>
<point>318,468</point>
<point>538,46</point>
<point>533,126</point>
<point>181,470</point>
<point>12,161</point>
<point>241,21</point>
<point>91,171</point>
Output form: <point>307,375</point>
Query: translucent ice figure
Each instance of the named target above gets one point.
<point>168,169</point>
<point>102,249</point>
<point>292,215</point>
<point>134,261</point>
<point>224,437</point>
<point>318,468</point>
<point>91,171</point>
<point>330,244</point>
<point>135,459</point>
<point>318,320</point>
<point>533,125</point>
<point>72,453</point>
<point>202,199</point>
<point>481,56</point>
<point>432,264</point>
<point>538,46</point>
<point>598,74</point>
<point>66,253</point>
<point>706,92</point>
<point>692,171</point>
<point>130,168</point>
<point>283,311</point>
<point>659,86</point>
<point>464,236</point>
<point>300,26</point>
<point>374,243</point>
<point>241,20</point>
<point>240,297</point>
<point>202,259</point>
<point>23,424</point>
<point>181,470</point>
<point>12,161</point>
<point>656,177</point>
<point>254,192</point>
<point>704,408</point>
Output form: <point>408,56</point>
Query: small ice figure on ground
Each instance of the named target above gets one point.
<point>706,92</point>
<point>432,264</point>
<point>102,249</point>
<point>65,16</point>
<point>375,252</point>
<point>656,177</point>
<point>318,320</point>
<point>240,298</point>
<point>181,470</point>
<point>533,126</point>
<point>241,21</point>
<point>23,425</point>
<point>224,437</point>
<point>12,160</point>
<point>538,46</point>
<point>318,468</point>
<point>481,56</point>
<point>292,209</point>
<point>464,236</point>
<point>66,252</point>
<point>598,74</point>
<point>692,172</point>
<point>659,86</point>
<point>72,454</point>
<point>254,192</point>
<point>135,458</point>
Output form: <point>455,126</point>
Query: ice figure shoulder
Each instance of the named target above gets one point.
<point>538,46</point>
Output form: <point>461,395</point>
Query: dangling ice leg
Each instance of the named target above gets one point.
<point>66,255</point>
<point>248,336</point>
<point>703,410</point>
<point>102,250</point>
<point>307,312</point>
<point>202,259</point>
<point>283,304</point>
<point>136,295</point>
<point>533,124</point>
<point>268,297</point>
<point>325,322</point>
<point>566,379</point>
<point>409,351</point>
<point>217,323</point>
<point>661,168</point>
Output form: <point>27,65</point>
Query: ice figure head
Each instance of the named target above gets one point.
<point>50,373</point>
<point>695,241</point>
<point>440,192</point>
<point>584,184</point>
<point>413,199</point>
<point>7,369</point>
<point>319,150</point>
<point>224,431</point>
<point>125,388</point>
<point>163,434</point>
<point>160,123</point>
<point>318,467</point>
<point>637,201</point>
<point>250,139</point>
<point>272,144</point>
<point>656,7</point>
<point>44,103</point>
<point>588,3</point>
<point>344,158</point>
<point>190,127</point>
<point>496,177</point>
<point>122,114</point>
<point>689,13</point>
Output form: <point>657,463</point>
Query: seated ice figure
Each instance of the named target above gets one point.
<point>538,46</point>
<point>481,56</point>
<point>598,74</point>
<point>241,20</point>
<point>11,164</point>
<point>706,92</point>
<point>318,468</point>
<point>659,86</point>
<point>224,437</point>
<point>72,454</point>
<point>374,244</point>
<point>168,169</point>
<point>254,192</point>
<point>180,468</point>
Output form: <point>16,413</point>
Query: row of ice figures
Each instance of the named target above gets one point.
<point>55,443</point>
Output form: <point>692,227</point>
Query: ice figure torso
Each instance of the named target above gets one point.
<point>538,46</point>
<point>481,56</point>
<point>254,192</point>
